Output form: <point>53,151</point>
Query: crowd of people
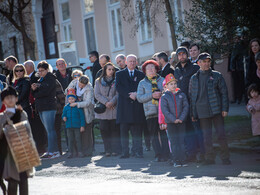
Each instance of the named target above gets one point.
<point>172,103</point>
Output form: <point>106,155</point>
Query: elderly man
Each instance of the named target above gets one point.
<point>209,103</point>
<point>130,113</point>
<point>120,61</point>
<point>10,63</point>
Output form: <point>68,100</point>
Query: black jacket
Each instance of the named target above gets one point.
<point>183,75</point>
<point>23,87</point>
<point>64,81</point>
<point>34,78</point>
<point>95,68</point>
<point>251,76</point>
<point>167,70</point>
<point>45,95</point>
<point>128,111</point>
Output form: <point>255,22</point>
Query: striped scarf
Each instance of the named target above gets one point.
<point>153,81</point>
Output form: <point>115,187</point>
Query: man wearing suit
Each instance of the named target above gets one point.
<point>165,66</point>
<point>130,113</point>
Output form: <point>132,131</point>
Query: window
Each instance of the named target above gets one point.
<point>115,18</point>
<point>88,4</point>
<point>145,23</point>
<point>89,24</point>
<point>13,46</point>
<point>177,9</point>
<point>66,23</point>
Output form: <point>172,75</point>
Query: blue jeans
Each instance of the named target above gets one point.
<point>48,120</point>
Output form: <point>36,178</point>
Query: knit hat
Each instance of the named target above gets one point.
<point>8,91</point>
<point>169,78</point>
<point>156,65</point>
<point>71,93</point>
<point>181,49</point>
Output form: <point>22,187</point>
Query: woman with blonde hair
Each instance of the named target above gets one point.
<point>21,82</point>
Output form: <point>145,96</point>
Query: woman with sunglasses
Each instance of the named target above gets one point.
<point>21,82</point>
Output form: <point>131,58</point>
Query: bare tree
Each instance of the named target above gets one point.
<point>148,11</point>
<point>15,13</point>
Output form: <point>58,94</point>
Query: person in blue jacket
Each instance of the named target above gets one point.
<point>75,123</point>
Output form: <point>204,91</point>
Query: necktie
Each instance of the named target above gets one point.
<point>131,74</point>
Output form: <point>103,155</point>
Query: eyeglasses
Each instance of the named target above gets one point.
<point>19,70</point>
<point>76,75</point>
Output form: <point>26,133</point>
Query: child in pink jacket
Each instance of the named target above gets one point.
<point>253,107</point>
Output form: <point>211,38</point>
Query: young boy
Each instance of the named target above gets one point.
<point>8,170</point>
<point>175,108</point>
<point>75,123</point>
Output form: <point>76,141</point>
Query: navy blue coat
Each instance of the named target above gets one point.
<point>128,111</point>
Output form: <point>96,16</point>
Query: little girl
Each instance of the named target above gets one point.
<point>175,108</point>
<point>253,107</point>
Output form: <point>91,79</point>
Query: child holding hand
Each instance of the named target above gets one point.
<point>75,123</point>
<point>175,108</point>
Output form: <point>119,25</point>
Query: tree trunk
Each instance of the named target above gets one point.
<point>171,23</point>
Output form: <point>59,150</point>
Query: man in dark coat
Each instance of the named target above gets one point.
<point>130,113</point>
<point>183,72</point>
<point>63,74</point>
<point>94,58</point>
<point>10,63</point>
<point>209,103</point>
<point>165,66</point>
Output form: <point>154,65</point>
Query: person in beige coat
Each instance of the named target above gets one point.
<point>85,95</point>
<point>105,93</point>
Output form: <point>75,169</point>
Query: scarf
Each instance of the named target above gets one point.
<point>153,81</point>
<point>80,91</point>
<point>107,81</point>
<point>258,73</point>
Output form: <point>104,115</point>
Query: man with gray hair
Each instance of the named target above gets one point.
<point>121,61</point>
<point>30,69</point>
<point>130,113</point>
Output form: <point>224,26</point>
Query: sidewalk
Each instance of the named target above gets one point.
<point>251,143</point>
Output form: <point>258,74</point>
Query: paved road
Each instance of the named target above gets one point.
<point>111,175</point>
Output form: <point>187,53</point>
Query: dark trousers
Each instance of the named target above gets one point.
<point>176,133</point>
<point>206,126</point>
<point>23,185</point>
<point>38,132</point>
<point>159,138</point>
<point>190,139</point>
<point>147,137</point>
<point>238,85</point>
<point>87,140</point>
<point>58,131</point>
<point>111,136</point>
<point>136,132</point>
<point>199,138</point>
<point>74,139</point>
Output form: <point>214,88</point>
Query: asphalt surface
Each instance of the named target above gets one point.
<point>111,175</point>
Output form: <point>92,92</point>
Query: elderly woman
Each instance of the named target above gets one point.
<point>44,92</point>
<point>85,95</point>
<point>105,93</point>
<point>149,92</point>
<point>21,83</point>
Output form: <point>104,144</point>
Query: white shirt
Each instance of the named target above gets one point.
<point>129,71</point>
